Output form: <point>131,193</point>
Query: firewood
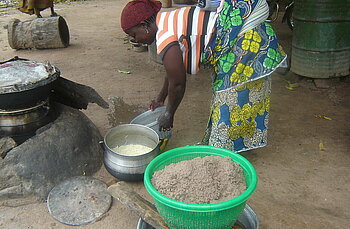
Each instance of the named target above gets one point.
<point>143,208</point>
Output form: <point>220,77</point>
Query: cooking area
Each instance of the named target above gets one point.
<point>39,128</point>
<point>101,82</point>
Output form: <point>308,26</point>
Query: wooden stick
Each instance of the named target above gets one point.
<point>143,208</point>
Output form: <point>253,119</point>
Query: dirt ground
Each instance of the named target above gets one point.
<point>300,184</point>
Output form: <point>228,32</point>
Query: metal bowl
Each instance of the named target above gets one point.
<point>247,220</point>
<point>129,167</point>
<point>138,47</point>
<point>150,119</point>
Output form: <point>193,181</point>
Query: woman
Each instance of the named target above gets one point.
<point>236,42</point>
<point>35,6</point>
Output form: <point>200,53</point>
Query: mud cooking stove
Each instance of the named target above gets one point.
<point>43,141</point>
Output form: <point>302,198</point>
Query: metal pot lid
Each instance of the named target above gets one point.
<point>18,75</point>
<point>79,200</point>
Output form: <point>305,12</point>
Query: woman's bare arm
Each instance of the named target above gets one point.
<point>176,77</point>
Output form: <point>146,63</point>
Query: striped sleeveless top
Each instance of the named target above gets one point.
<point>191,28</point>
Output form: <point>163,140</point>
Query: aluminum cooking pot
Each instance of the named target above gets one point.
<point>24,99</point>
<point>129,167</point>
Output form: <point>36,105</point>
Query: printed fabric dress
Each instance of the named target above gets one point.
<point>243,52</point>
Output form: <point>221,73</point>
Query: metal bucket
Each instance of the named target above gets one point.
<point>127,167</point>
<point>247,220</point>
<point>209,5</point>
<point>166,3</point>
<point>185,2</point>
<point>321,38</point>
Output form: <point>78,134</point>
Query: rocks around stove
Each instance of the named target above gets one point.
<point>67,147</point>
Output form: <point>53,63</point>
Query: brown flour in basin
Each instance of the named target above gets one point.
<point>206,180</point>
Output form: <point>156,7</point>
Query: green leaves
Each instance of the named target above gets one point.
<point>124,72</point>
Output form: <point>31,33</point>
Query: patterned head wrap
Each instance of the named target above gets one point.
<point>137,11</point>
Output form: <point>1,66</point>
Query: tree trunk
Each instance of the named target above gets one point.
<point>40,33</point>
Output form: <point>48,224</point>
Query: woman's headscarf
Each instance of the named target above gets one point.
<point>137,11</point>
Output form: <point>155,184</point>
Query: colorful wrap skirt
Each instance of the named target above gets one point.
<point>239,116</point>
<point>242,64</point>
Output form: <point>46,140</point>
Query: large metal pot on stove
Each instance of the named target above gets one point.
<point>25,87</point>
<point>129,167</point>
<point>25,83</point>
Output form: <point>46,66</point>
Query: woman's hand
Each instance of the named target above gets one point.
<point>165,121</point>
<point>155,103</point>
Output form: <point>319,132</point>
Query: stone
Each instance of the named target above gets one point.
<point>68,146</point>
<point>6,144</point>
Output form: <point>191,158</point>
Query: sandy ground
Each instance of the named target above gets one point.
<point>300,186</point>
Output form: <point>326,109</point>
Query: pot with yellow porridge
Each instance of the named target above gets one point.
<point>128,149</point>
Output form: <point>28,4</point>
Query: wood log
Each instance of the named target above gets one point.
<point>143,208</point>
<point>40,33</point>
